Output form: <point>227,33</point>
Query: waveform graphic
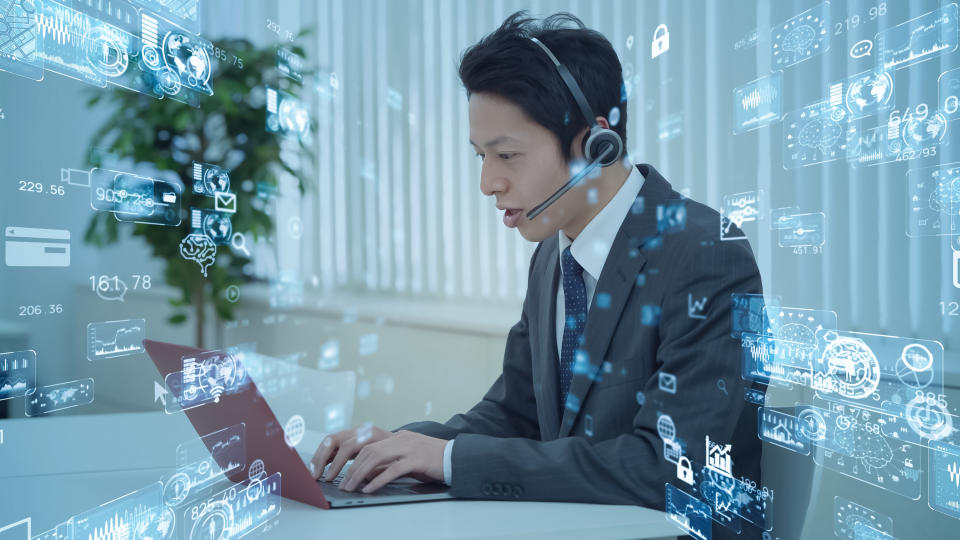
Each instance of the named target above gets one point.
<point>115,529</point>
<point>63,24</point>
<point>954,474</point>
<point>761,95</point>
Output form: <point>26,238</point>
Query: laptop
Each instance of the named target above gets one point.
<point>244,404</point>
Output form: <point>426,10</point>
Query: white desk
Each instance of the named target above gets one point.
<point>95,459</point>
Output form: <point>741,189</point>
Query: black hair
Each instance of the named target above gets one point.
<point>508,64</point>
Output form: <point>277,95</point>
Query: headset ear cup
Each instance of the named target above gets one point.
<point>598,140</point>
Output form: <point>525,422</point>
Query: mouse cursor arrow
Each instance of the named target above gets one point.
<point>159,393</point>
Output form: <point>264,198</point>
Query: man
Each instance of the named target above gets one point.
<point>626,321</point>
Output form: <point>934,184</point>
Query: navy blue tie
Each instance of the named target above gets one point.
<point>575,308</point>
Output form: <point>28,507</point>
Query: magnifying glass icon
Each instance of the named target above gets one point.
<point>239,243</point>
<point>722,385</point>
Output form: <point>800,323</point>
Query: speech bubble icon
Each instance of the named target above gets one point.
<point>112,290</point>
<point>861,48</point>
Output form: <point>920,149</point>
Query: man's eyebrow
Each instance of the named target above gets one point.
<point>497,140</point>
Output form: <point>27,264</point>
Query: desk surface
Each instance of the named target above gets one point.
<point>80,475</point>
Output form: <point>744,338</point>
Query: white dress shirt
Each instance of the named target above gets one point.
<point>590,250</point>
<point>592,245</point>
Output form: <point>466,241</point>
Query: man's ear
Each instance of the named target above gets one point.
<point>576,148</point>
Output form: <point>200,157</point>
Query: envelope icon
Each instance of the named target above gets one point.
<point>224,201</point>
<point>668,383</point>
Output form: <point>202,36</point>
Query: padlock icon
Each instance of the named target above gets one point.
<point>685,470</point>
<point>661,41</point>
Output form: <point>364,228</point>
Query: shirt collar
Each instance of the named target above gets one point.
<point>592,245</point>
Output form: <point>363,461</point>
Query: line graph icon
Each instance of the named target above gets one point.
<point>113,339</point>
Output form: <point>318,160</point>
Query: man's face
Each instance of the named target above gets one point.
<point>522,166</point>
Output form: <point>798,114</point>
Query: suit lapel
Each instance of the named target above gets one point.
<point>617,280</point>
<point>545,359</point>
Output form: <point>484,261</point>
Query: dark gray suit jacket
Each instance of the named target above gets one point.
<point>515,445</point>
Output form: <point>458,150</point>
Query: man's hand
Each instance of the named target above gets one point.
<point>342,447</point>
<point>404,453</point>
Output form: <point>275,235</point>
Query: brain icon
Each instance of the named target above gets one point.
<point>799,39</point>
<point>820,133</point>
<point>199,248</point>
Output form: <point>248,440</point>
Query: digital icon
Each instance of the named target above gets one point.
<point>944,483</point>
<point>21,44</point>
<point>801,37</point>
<point>37,247</point>
<point>690,513</point>
<point>847,367</point>
<point>668,382</point>
<point>849,514</point>
<point>209,179</point>
<point>287,115</point>
<point>661,41</point>
<point>718,457</point>
<point>225,202</point>
<point>17,530</point>
<point>290,64</point>
<point>804,230</point>
<point>919,39</point>
<point>295,227</point>
<point>861,48</point>
<point>112,290</point>
<point>758,103</point>
<point>863,94</point>
<point>671,450</point>
<point>934,201</point>
<point>696,309</point>
<point>113,339</point>
<point>814,134</point>
<point>239,243</point>
<point>160,393</point>
<point>739,208</point>
<point>685,470</point>
<point>232,294</point>
<point>131,197</point>
<point>293,430</point>
<point>199,248</point>
<point>217,226</point>
<point>722,386</point>
<point>117,518</point>
<point>630,42</point>
<point>956,268</point>
<point>18,373</point>
<point>671,217</point>
<point>55,397</point>
<point>176,58</point>
<point>781,429</point>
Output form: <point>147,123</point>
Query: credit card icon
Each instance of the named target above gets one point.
<point>26,246</point>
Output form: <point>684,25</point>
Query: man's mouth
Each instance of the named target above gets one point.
<point>512,217</point>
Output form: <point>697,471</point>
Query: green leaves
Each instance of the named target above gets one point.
<point>153,131</point>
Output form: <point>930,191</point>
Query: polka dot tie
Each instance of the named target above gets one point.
<point>575,310</point>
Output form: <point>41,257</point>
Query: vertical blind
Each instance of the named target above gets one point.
<point>397,199</point>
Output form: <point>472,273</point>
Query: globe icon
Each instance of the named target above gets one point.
<point>257,469</point>
<point>666,428</point>
<point>293,430</point>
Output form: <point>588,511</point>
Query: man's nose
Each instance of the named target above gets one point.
<point>491,182</point>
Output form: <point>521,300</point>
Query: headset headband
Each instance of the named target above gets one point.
<point>571,84</point>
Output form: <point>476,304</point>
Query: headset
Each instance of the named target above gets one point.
<point>603,147</point>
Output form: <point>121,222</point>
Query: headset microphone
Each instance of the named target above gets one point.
<point>602,147</point>
<point>574,180</point>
